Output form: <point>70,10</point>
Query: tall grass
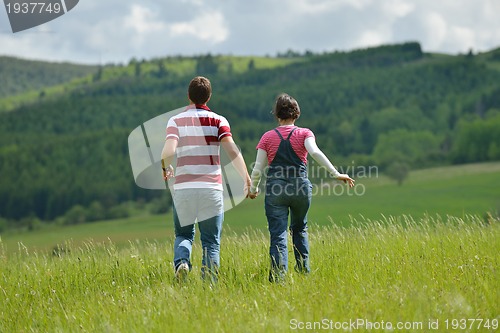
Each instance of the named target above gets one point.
<point>391,270</point>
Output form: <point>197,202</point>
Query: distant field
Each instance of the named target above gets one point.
<point>456,191</point>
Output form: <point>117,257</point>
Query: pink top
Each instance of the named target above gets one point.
<point>271,140</point>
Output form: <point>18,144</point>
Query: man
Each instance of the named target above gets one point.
<point>195,137</point>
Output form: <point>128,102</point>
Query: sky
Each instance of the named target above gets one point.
<point>114,31</point>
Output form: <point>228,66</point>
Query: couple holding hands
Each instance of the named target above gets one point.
<point>195,136</point>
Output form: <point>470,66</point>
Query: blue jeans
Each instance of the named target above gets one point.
<point>286,197</point>
<point>204,206</point>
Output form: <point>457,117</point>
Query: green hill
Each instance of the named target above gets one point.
<point>27,82</point>
<point>376,106</point>
<point>20,76</point>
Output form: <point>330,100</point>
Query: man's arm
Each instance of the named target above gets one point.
<point>237,159</point>
<point>167,156</point>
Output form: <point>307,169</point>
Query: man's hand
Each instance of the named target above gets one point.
<point>246,187</point>
<point>167,155</point>
<point>254,195</point>
<point>168,172</point>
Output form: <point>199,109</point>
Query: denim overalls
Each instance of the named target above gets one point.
<point>287,190</point>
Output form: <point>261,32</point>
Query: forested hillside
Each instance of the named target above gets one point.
<point>19,75</point>
<point>384,106</point>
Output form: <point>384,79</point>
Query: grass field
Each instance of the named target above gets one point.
<point>392,256</point>
<point>397,275</point>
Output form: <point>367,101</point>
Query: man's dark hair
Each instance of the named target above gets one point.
<point>199,90</point>
<point>286,107</point>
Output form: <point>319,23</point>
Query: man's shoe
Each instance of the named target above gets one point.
<point>182,271</point>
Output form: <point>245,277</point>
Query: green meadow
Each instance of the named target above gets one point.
<point>391,275</point>
<point>455,190</point>
<point>421,257</point>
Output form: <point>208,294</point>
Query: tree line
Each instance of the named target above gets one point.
<point>393,106</point>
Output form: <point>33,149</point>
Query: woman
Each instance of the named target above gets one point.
<point>288,190</point>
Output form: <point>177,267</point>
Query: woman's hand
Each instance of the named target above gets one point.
<point>346,179</point>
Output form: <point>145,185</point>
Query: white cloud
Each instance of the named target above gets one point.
<point>461,38</point>
<point>143,20</point>
<point>397,8</point>
<point>209,27</point>
<point>435,29</point>
<point>315,7</point>
<point>360,4</point>
<point>117,30</point>
<point>371,38</point>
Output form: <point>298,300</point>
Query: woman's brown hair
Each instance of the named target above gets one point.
<point>286,107</point>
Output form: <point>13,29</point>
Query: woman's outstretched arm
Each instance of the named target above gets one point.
<point>321,159</point>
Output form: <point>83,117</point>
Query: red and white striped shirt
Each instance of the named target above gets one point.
<point>198,131</point>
